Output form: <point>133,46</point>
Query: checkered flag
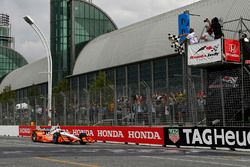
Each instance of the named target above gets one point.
<point>175,43</point>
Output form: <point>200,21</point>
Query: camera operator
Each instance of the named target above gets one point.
<point>216,27</point>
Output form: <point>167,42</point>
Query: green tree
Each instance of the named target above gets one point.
<point>62,86</point>
<point>7,94</point>
<point>101,89</point>
<point>7,97</point>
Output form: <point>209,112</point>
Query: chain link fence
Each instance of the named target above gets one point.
<point>223,101</point>
<point>149,109</point>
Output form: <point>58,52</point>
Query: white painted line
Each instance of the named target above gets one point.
<point>194,161</point>
<point>218,158</point>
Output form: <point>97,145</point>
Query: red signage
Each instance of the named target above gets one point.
<point>121,134</point>
<point>25,130</point>
<point>232,50</point>
<point>146,135</point>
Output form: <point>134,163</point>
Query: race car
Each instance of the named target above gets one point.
<point>57,135</point>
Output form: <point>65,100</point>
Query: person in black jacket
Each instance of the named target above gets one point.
<point>216,27</point>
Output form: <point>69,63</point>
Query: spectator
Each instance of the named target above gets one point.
<point>192,37</point>
<point>216,27</point>
<point>96,111</point>
<point>91,114</point>
<point>208,35</point>
<point>244,37</point>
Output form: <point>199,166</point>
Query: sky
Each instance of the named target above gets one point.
<point>123,13</point>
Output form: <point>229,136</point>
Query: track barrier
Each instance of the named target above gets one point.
<point>213,137</point>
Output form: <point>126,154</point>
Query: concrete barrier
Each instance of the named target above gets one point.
<point>9,130</point>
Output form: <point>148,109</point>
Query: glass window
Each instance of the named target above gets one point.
<point>133,80</point>
<point>175,73</point>
<point>9,61</point>
<point>146,73</point>
<point>120,81</point>
<point>90,22</point>
<point>110,75</point>
<point>196,77</point>
<point>160,75</point>
<point>90,79</point>
<point>145,77</point>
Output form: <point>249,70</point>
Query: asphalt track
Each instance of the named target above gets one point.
<point>22,152</point>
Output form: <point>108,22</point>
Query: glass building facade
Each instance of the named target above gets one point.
<point>160,75</point>
<point>139,85</point>
<point>5,39</point>
<point>10,60</point>
<point>73,24</point>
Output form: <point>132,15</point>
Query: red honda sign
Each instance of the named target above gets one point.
<point>146,135</point>
<point>232,50</point>
<point>121,134</point>
<point>25,130</point>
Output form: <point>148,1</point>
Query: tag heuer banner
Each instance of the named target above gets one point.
<point>230,137</point>
<point>205,52</point>
<point>174,135</point>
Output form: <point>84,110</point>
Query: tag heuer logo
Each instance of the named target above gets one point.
<point>174,135</point>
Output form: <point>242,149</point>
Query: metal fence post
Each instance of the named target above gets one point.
<point>1,114</point>
<point>14,113</point>
<point>54,110</point>
<point>222,101</point>
<point>35,112</point>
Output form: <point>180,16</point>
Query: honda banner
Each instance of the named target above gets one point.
<point>208,136</point>
<point>232,50</point>
<point>25,130</point>
<point>122,134</point>
<point>205,53</point>
<point>146,135</point>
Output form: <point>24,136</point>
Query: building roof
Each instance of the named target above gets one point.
<point>149,38</point>
<point>34,73</point>
<point>140,41</point>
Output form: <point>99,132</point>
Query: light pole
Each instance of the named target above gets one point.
<point>31,22</point>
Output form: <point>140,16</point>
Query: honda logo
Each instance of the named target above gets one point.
<point>232,48</point>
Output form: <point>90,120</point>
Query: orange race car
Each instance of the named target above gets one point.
<point>57,135</point>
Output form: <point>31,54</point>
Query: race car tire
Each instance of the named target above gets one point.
<point>81,135</point>
<point>55,138</point>
<point>34,137</point>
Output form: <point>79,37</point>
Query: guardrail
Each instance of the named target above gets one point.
<point>228,137</point>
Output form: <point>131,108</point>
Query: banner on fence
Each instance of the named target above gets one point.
<point>146,135</point>
<point>232,50</point>
<point>208,137</point>
<point>230,137</point>
<point>205,52</point>
<point>25,130</point>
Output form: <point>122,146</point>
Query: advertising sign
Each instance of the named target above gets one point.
<point>122,134</point>
<point>205,52</point>
<point>183,24</point>
<point>232,50</point>
<point>111,133</point>
<point>25,130</point>
<point>230,137</point>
